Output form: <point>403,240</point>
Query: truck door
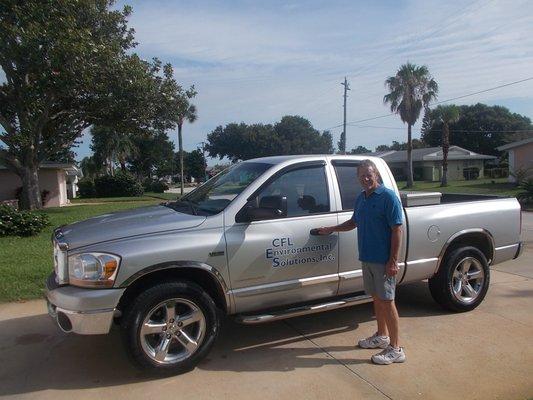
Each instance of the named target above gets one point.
<point>350,269</point>
<point>275,260</point>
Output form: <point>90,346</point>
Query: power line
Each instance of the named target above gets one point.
<point>483,91</point>
<point>439,102</point>
<point>451,130</point>
<point>361,120</point>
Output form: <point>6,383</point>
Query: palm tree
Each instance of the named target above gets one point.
<point>112,146</point>
<point>411,89</point>
<point>90,167</point>
<point>122,147</point>
<point>447,115</point>
<point>186,112</point>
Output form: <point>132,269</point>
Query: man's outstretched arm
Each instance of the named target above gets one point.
<point>344,227</point>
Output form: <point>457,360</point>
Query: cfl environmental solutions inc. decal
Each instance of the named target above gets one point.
<point>284,253</point>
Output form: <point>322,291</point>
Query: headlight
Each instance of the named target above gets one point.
<point>93,269</point>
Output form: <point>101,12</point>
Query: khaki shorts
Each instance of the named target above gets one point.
<point>376,283</point>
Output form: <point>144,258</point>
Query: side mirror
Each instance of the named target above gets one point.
<point>261,213</point>
<point>270,207</point>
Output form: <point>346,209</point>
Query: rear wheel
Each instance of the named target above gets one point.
<point>462,280</point>
<point>170,327</point>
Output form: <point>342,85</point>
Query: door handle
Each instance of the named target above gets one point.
<point>314,232</point>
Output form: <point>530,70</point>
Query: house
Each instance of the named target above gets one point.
<point>520,157</point>
<point>427,163</point>
<point>57,182</point>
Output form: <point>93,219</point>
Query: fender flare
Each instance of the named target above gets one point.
<point>463,232</point>
<point>176,265</point>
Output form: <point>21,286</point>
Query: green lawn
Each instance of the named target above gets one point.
<point>148,196</point>
<point>26,262</point>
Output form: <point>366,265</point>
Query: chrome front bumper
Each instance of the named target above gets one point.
<point>82,311</point>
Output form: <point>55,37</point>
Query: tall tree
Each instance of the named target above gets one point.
<point>447,115</point>
<point>481,128</point>
<point>112,146</point>
<point>67,66</point>
<point>195,165</point>
<point>154,156</point>
<point>411,89</point>
<point>298,136</point>
<point>90,168</point>
<point>360,150</point>
<point>397,146</point>
<point>185,112</point>
<point>291,135</point>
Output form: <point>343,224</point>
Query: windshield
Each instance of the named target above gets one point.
<point>215,195</point>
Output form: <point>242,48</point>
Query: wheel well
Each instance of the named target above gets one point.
<point>202,278</point>
<point>479,240</point>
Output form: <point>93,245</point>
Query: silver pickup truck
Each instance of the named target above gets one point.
<point>244,244</point>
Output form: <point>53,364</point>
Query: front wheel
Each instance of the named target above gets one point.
<point>170,327</point>
<point>462,280</point>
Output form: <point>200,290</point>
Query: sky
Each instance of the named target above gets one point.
<point>256,61</point>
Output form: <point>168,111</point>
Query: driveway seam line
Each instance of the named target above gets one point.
<point>511,273</point>
<point>336,359</point>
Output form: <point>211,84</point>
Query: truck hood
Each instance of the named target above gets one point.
<point>123,224</point>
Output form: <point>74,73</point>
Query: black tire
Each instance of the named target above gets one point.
<point>449,284</point>
<point>180,296</point>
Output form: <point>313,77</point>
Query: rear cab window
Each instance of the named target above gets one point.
<point>349,186</point>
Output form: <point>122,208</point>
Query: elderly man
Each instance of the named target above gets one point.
<point>378,217</point>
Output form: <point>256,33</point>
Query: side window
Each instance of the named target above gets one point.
<point>348,183</point>
<point>306,191</point>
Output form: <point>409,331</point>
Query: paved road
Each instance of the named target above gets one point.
<point>186,189</point>
<point>483,354</point>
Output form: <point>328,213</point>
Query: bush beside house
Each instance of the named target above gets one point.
<point>21,223</point>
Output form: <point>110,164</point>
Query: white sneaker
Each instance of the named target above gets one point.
<point>374,342</point>
<point>389,355</point>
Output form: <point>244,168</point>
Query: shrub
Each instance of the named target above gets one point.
<point>86,187</point>
<point>521,175</point>
<point>122,184</point>
<point>526,197</point>
<point>21,223</point>
<point>158,187</point>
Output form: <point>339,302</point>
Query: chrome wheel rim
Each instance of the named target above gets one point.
<point>172,331</point>
<point>467,280</point>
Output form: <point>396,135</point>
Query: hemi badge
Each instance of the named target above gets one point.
<point>216,253</point>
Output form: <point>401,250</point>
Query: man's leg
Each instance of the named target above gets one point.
<point>380,317</point>
<point>393,353</point>
<point>392,320</point>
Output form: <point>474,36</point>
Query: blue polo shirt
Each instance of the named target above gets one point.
<point>375,215</point>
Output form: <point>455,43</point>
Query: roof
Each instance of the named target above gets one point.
<point>512,145</point>
<point>430,154</point>
<point>69,167</point>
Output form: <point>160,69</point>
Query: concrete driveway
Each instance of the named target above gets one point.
<point>483,354</point>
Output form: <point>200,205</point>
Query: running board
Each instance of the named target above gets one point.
<point>302,310</point>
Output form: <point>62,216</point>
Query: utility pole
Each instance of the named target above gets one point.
<point>342,141</point>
